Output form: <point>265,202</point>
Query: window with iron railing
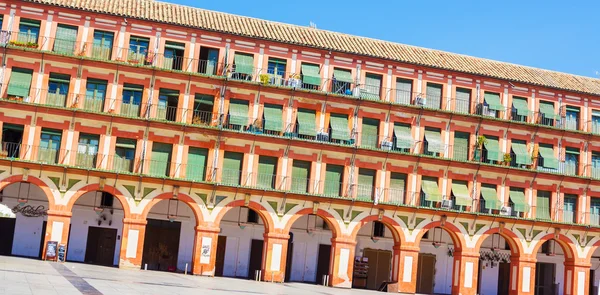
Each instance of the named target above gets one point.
<point>132,100</point>
<point>160,160</point>
<point>571,163</point>
<point>66,39</point>
<point>95,94</point>
<point>595,127</point>
<point>463,100</point>
<point>595,165</point>
<point>404,91</point>
<point>300,176</point>
<point>29,32</point>
<point>595,211</point>
<point>19,83</point>
<point>124,156</point>
<point>49,149</point>
<point>572,118</point>
<point>168,101</point>
<point>173,56</point>
<point>209,61</point>
<point>371,89</point>
<point>87,150</point>
<point>433,96</point>
<point>342,82</point>
<point>461,146</point>
<point>58,89</point>
<point>12,138</point>
<point>139,48</point>
<point>569,208</point>
<point>542,208</point>
<point>102,45</point>
<point>276,69</point>
<point>520,109</point>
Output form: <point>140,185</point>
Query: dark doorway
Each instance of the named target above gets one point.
<point>100,247</point>
<point>324,258</point>
<point>220,260</point>
<point>12,137</point>
<point>7,228</point>
<point>256,251</point>
<point>42,235</point>
<point>503,278</point>
<point>209,58</point>
<point>592,278</point>
<point>544,278</point>
<point>161,245</point>
<point>425,273</point>
<point>288,260</point>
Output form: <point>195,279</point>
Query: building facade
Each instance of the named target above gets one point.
<point>149,135</point>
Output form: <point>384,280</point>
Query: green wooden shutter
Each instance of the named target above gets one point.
<point>518,199</point>
<point>232,168</point>
<point>434,96</point>
<point>273,117</point>
<point>493,101</point>
<point>306,122</point>
<point>463,100</point>
<point>431,189</point>
<point>300,176</point>
<point>161,156</point>
<point>569,208</point>
<point>547,153</point>
<point>372,88</point>
<point>196,164</point>
<point>461,146</point>
<point>20,82</point>
<point>434,141</point>
<point>244,63</point>
<point>238,112</point>
<point>310,74</point>
<point>547,109</point>
<point>492,147</point>
<point>403,91</point>
<point>397,188</point>
<point>343,75</point>
<point>520,105</point>
<point>339,127</point>
<point>333,180</point>
<point>366,179</point>
<point>370,133</point>
<point>267,169</point>
<point>66,37</point>
<point>490,196</point>
<point>403,135</point>
<point>103,43</point>
<point>543,205</point>
<point>521,154</point>
<point>460,190</point>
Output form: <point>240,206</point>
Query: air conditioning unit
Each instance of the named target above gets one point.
<point>507,211</point>
<point>447,204</point>
<point>386,145</point>
<point>420,100</point>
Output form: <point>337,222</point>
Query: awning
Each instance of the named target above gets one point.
<point>238,112</point>
<point>542,210</point>
<point>339,127</point>
<point>461,194</point>
<point>547,109</point>
<point>404,138</point>
<point>431,190</point>
<point>493,149</point>
<point>306,123</point>
<point>343,75</point>
<point>273,121</point>
<point>518,199</point>
<point>244,64</point>
<point>493,101</point>
<point>520,104</point>
<point>521,154</point>
<point>547,154</point>
<point>310,74</point>
<point>434,141</point>
<point>491,198</point>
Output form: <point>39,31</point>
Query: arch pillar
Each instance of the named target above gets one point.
<point>577,278</point>
<point>465,271</point>
<point>342,268</point>
<point>275,256</point>
<point>407,268</point>
<point>522,275</point>
<point>132,243</point>
<point>57,229</point>
<point>204,255</point>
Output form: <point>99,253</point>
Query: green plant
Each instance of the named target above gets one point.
<point>264,79</point>
<point>507,158</point>
<point>481,140</point>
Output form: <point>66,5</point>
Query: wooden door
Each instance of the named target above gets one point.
<point>288,261</point>
<point>544,278</point>
<point>323,262</point>
<point>100,247</point>
<point>256,251</point>
<point>425,273</point>
<point>379,267</point>
<point>503,278</point>
<point>220,260</point>
<point>161,244</point>
<point>42,236</point>
<point>7,228</point>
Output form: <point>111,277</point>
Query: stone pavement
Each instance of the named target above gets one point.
<point>29,276</point>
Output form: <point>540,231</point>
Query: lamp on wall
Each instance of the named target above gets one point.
<point>22,201</point>
<point>380,215</point>
<point>241,224</point>
<point>437,243</point>
<point>98,208</point>
<point>170,216</point>
<point>175,191</point>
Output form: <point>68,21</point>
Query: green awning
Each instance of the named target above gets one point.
<point>343,75</point>
<point>520,105</point>
<point>521,154</point>
<point>547,154</point>
<point>491,198</point>
<point>547,109</point>
<point>339,127</point>
<point>59,78</point>
<point>431,190</point>
<point>493,149</point>
<point>244,64</point>
<point>310,74</point>
<point>19,83</point>
<point>273,115</point>
<point>518,199</point>
<point>125,143</point>
<point>175,45</point>
<point>404,138</point>
<point>306,123</point>
<point>238,112</point>
<point>434,141</point>
<point>29,22</point>
<point>461,194</point>
<point>493,101</point>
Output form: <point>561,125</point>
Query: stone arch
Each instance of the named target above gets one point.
<point>516,248</point>
<point>452,230</point>
<point>326,216</point>
<point>260,210</point>
<point>593,249</point>
<point>33,180</point>
<point>96,187</point>
<point>563,241</point>
<point>390,223</point>
<point>180,197</point>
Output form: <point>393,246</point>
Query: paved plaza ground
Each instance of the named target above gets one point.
<point>28,276</point>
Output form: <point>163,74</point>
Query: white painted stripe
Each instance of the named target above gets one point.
<point>526,279</point>
<point>57,231</point>
<point>132,242</point>
<point>276,257</point>
<point>407,273</point>
<point>468,274</point>
<point>344,259</point>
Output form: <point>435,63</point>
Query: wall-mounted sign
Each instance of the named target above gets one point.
<point>30,211</point>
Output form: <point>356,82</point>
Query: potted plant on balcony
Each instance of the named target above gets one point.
<point>264,79</point>
<point>481,140</point>
<point>3,153</point>
<point>196,120</point>
<point>507,159</point>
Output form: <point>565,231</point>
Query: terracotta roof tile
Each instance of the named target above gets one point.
<point>279,32</point>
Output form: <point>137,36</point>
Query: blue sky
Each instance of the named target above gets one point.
<point>557,35</point>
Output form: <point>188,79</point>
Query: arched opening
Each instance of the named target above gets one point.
<point>594,282</point>
<point>23,219</point>
<point>494,271</point>
<point>309,250</point>
<point>436,261</point>
<point>550,267</point>
<point>96,229</point>
<point>170,236</point>
<point>240,243</point>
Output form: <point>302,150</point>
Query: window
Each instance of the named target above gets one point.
<point>595,211</point>
<point>107,200</point>
<point>542,210</point>
<point>95,94</point>
<point>66,39</point>
<point>168,101</point>
<point>238,114</point>
<point>103,43</point>
<point>338,126</point>
<point>369,136</point>
<point>160,159</point>
<point>547,113</point>
<point>58,89</point>
<point>243,66</point>
<point>571,164</point>
<point>267,172</point>
<point>232,168</point>
<point>432,144</point>
<point>546,159</point>
<point>139,50</point>
<point>252,216</point>
<point>596,165</point>
<point>209,60</point>
<point>124,155</point>
<point>491,153</point>
<point>173,56</point>
<point>378,229</point>
<point>433,96</point>
<point>333,180</point>
<point>29,32</point>
<point>596,121</point>
<point>300,176</point>
<point>87,150</point>
<point>372,88</point>
<point>49,146</point>
<point>306,127</point>
<point>491,105</point>
<point>572,118</point>
<point>366,180</point>
<point>203,109</point>
<point>276,69</point>
<point>196,164</point>
<point>342,82</point>
<point>430,192</point>
<point>132,100</point>
<point>311,76</point>
<point>20,83</point>
<point>403,140</point>
<point>461,146</point>
<point>570,202</point>
<point>12,136</point>
<point>519,153</point>
<point>397,188</point>
<point>272,119</point>
<point>403,91</point>
<point>520,109</point>
<point>488,199</point>
<point>463,100</point>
